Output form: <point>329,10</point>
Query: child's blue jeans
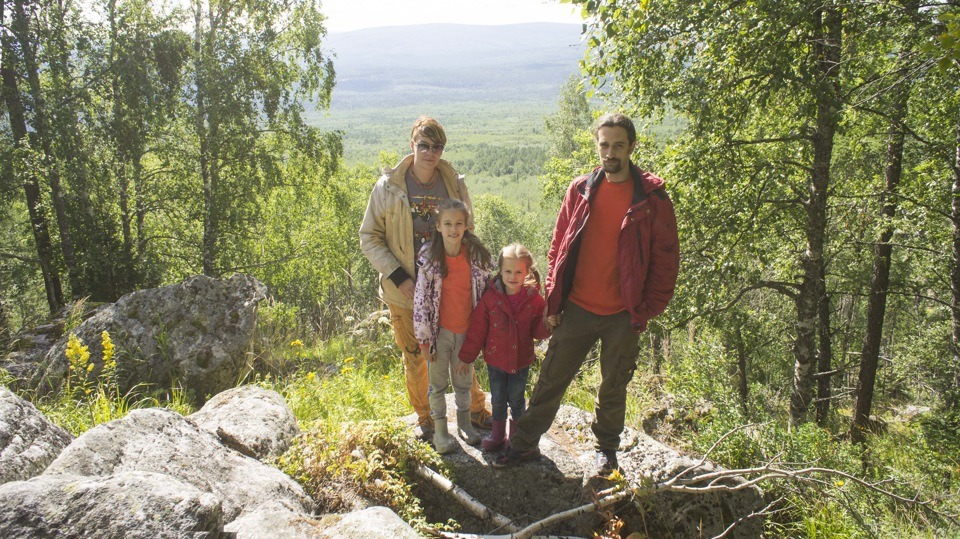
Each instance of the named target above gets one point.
<point>506,388</point>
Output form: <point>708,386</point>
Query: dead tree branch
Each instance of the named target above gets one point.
<point>465,499</point>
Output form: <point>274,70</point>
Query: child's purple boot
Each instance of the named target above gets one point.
<point>495,440</point>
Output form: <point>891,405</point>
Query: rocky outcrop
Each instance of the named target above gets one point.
<point>157,474</point>
<point>197,333</point>
<point>163,441</point>
<point>274,520</point>
<point>372,523</point>
<point>128,505</point>
<point>249,419</point>
<point>565,478</point>
<point>28,441</point>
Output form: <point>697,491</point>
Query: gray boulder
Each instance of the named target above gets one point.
<point>274,520</point>
<point>129,505</point>
<point>28,441</point>
<point>254,421</point>
<point>372,523</point>
<point>197,333</point>
<point>162,441</point>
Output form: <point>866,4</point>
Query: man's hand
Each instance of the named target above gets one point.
<point>463,368</point>
<point>407,288</point>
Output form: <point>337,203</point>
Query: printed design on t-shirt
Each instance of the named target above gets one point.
<point>422,210</point>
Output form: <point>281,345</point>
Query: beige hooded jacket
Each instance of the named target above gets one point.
<point>386,234</point>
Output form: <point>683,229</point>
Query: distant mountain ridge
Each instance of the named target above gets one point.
<point>403,65</point>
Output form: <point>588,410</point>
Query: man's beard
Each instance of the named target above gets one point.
<point>613,166</point>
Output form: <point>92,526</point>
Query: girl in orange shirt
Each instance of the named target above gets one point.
<point>454,268</point>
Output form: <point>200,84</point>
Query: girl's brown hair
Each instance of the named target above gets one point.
<point>519,252</point>
<point>476,252</point>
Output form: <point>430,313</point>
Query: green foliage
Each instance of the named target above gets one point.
<point>372,458</point>
<point>313,227</point>
<point>500,224</point>
<point>503,161</point>
<point>346,378</point>
<point>572,148</point>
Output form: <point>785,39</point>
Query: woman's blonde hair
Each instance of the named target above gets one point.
<point>517,251</point>
<point>429,129</point>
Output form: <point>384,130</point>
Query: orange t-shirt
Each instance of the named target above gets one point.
<point>596,283</point>
<point>455,300</point>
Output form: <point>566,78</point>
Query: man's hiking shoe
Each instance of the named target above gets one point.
<point>424,429</point>
<point>512,457</point>
<point>482,419</point>
<point>606,462</point>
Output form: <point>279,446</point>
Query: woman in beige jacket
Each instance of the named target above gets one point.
<point>392,232</point>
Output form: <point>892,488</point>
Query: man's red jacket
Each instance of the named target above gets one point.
<point>649,247</point>
<point>505,336</point>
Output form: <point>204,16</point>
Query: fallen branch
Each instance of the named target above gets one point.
<point>768,510</point>
<point>607,498</point>
<point>465,499</point>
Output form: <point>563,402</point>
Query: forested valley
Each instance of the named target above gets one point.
<point>811,148</point>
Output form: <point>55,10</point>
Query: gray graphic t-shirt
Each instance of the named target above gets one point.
<point>422,202</point>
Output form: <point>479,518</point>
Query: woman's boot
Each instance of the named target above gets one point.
<point>442,441</point>
<point>495,440</point>
<point>466,428</point>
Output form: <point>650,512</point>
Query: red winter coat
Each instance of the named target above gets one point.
<point>505,336</point>
<point>648,246</point>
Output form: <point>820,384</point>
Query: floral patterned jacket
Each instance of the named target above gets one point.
<point>426,300</point>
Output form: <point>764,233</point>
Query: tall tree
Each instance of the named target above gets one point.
<point>144,60</point>
<point>893,171</point>
<point>572,150</point>
<point>950,63</point>
<point>37,40</point>
<point>254,63</point>
<point>17,31</point>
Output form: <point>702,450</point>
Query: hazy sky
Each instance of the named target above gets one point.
<point>345,15</point>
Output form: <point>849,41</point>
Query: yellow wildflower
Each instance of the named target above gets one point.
<point>349,360</point>
<point>346,370</point>
<point>108,347</point>
<point>77,353</point>
<point>311,375</point>
<point>296,343</point>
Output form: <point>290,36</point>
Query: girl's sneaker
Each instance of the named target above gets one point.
<point>512,457</point>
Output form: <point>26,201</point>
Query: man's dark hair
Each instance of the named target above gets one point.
<point>616,120</point>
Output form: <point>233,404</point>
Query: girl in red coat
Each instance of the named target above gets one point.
<point>504,324</point>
